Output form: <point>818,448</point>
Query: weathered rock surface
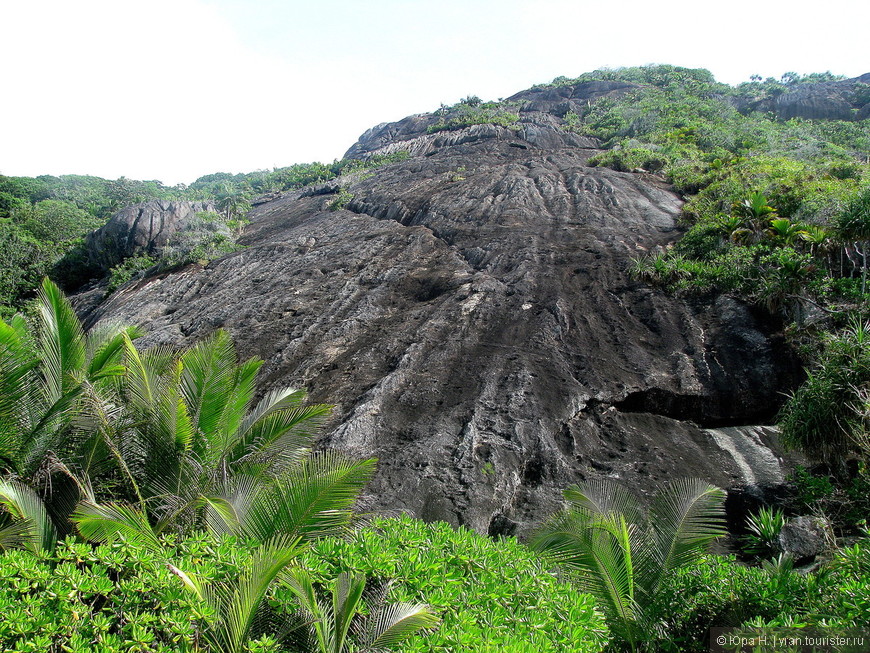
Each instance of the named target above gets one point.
<point>803,538</point>
<point>471,315</point>
<point>141,229</point>
<point>827,100</point>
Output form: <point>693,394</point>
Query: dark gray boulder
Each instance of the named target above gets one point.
<point>471,315</point>
<point>838,100</point>
<point>804,538</point>
<point>140,229</point>
<point>830,101</point>
<point>559,100</point>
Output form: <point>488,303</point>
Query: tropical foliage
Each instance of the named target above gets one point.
<point>145,446</point>
<point>491,595</point>
<point>827,417</point>
<point>610,547</point>
<point>156,500</point>
<point>43,220</point>
<point>472,111</point>
<point>717,591</point>
<point>348,618</point>
<point>790,192</point>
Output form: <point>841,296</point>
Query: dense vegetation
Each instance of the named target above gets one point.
<point>777,212</point>
<point>149,501</point>
<point>43,220</point>
<point>473,111</point>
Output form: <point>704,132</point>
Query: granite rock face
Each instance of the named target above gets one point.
<point>141,229</point>
<point>840,100</point>
<point>470,314</point>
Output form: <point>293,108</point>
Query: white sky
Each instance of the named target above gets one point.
<point>175,89</point>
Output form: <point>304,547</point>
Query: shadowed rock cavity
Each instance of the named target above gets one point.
<point>470,315</point>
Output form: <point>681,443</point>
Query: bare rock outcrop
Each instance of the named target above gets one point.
<point>140,229</point>
<point>470,314</point>
<point>839,100</point>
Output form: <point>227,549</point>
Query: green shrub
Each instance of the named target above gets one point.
<point>109,598</point>
<point>720,592</point>
<point>763,531</point>
<point>627,159</point>
<point>491,595</point>
<point>826,417</point>
<point>845,500</point>
<point>341,200</point>
<point>702,241</point>
<point>464,114</point>
<point>129,269</point>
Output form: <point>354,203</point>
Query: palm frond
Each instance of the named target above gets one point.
<point>279,437</point>
<point>142,379</point>
<point>240,397</point>
<point>620,555</point>
<point>33,528</point>
<point>61,343</point>
<point>685,517</point>
<point>237,601</point>
<point>220,514</point>
<point>312,500</point>
<point>208,384</point>
<point>596,550</point>
<point>321,618</point>
<point>347,592</point>
<point>17,361</point>
<point>391,624</point>
<point>94,442</point>
<point>104,522</point>
<point>274,400</point>
<point>104,348</point>
<point>601,496</point>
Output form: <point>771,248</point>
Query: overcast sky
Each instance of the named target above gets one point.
<point>175,89</point>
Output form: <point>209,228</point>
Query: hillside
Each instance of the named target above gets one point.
<point>472,310</point>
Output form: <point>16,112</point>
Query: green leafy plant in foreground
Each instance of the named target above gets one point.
<point>718,591</point>
<point>763,530</point>
<point>610,547</point>
<point>54,381</point>
<point>81,599</point>
<point>201,454</point>
<point>490,595</point>
<point>349,619</point>
<point>230,593</point>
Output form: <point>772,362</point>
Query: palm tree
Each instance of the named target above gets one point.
<point>350,616</point>
<point>733,227</point>
<point>202,455</point>
<point>50,382</point>
<point>820,241</point>
<point>232,202</point>
<point>338,623</point>
<point>784,231</point>
<point>236,603</point>
<point>757,214</point>
<point>612,548</point>
<point>756,208</point>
